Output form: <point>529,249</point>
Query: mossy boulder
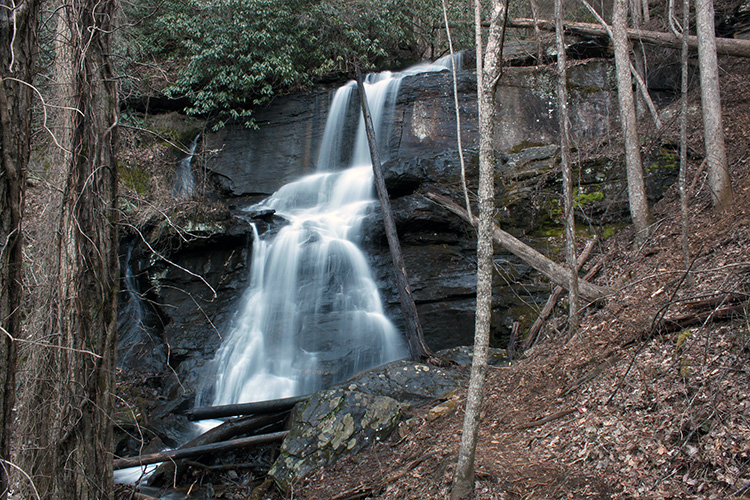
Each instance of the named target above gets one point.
<point>331,424</point>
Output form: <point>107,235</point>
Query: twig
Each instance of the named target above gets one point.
<point>548,418</point>
<point>657,318</point>
<point>555,296</point>
<point>181,149</point>
<point>364,491</point>
<point>191,273</point>
<point>43,344</point>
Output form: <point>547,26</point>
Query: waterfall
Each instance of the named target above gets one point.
<point>312,314</point>
<point>135,345</point>
<point>184,181</point>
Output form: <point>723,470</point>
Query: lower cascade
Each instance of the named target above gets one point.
<point>312,315</point>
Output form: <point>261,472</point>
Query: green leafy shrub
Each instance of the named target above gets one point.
<point>236,55</point>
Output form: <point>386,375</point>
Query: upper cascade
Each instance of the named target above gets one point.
<point>312,315</point>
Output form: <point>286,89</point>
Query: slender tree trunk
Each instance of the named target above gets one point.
<point>639,57</point>
<point>537,33</point>
<point>18,27</point>
<point>713,130</point>
<point>458,110</point>
<point>639,80</point>
<point>639,210</point>
<point>70,434</point>
<point>683,135</point>
<point>570,223</point>
<point>489,67</point>
<point>415,337</point>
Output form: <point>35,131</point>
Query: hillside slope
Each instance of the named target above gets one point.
<point>632,406</point>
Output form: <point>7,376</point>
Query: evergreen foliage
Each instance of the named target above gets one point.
<point>235,55</point>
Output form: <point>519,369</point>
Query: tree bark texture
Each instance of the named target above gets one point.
<point>489,68</point>
<point>570,222</point>
<point>639,211</point>
<point>682,179</point>
<point>414,334</point>
<point>18,28</point>
<point>69,433</point>
<point>724,46</point>
<point>713,130</point>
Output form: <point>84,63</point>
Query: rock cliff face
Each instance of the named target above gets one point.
<point>421,156</point>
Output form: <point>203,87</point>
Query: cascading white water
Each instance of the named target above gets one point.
<point>312,315</point>
<point>131,322</point>
<point>184,180</point>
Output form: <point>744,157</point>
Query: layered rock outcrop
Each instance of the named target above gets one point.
<point>421,155</point>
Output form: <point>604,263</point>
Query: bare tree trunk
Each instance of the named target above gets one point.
<point>458,110</point>
<point>639,80</point>
<point>18,27</point>
<point>489,67</point>
<point>570,223</point>
<point>683,135</point>
<point>639,56</point>
<point>639,210</point>
<point>415,337</point>
<point>70,431</point>
<point>713,131</point>
<point>537,33</point>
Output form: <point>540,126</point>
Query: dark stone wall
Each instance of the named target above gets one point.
<point>421,156</point>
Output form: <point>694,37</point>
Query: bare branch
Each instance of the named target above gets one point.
<point>191,273</point>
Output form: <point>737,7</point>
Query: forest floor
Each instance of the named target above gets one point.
<point>640,403</point>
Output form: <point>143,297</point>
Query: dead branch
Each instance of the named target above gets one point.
<point>542,421</point>
<point>552,270</point>
<point>681,321</point>
<point>223,432</point>
<point>256,408</point>
<point>233,444</point>
<point>555,296</point>
<point>414,334</point>
<point>725,46</point>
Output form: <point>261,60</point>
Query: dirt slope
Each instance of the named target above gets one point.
<point>635,406</point>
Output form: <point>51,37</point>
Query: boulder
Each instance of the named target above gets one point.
<point>331,424</point>
<point>364,410</point>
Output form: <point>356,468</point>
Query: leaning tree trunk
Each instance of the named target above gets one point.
<point>414,334</point>
<point>18,27</point>
<point>639,210</point>
<point>713,131</point>
<point>570,228</point>
<point>69,428</point>
<point>489,68</point>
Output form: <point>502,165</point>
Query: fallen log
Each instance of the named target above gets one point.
<point>726,46</point>
<point>682,321</point>
<point>223,432</point>
<point>256,408</point>
<point>123,463</point>
<point>552,270</point>
<point>554,297</point>
<point>542,421</point>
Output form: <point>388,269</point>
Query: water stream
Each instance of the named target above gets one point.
<point>312,315</point>
<point>184,180</point>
